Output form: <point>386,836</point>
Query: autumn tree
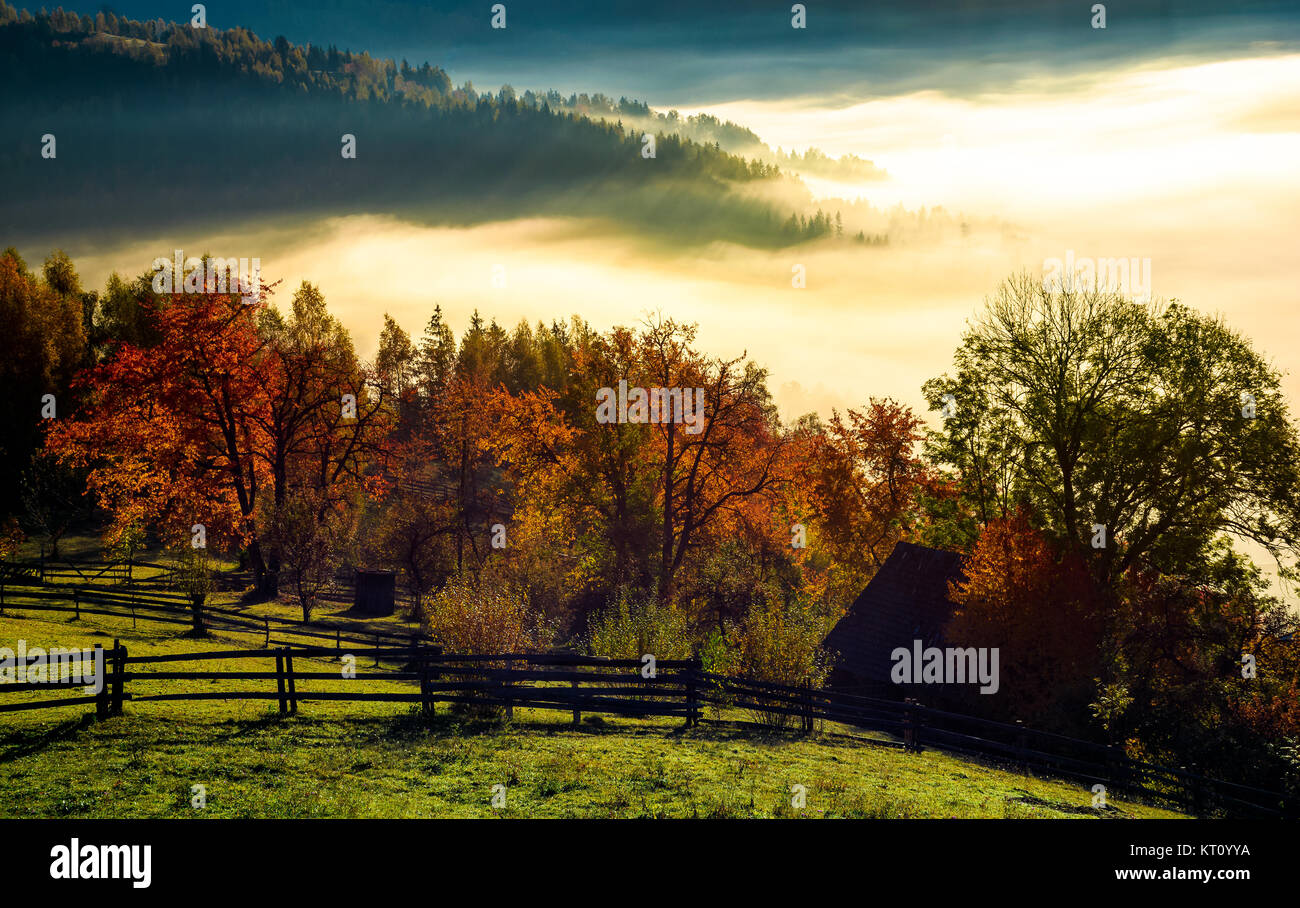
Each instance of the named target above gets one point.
<point>396,368</point>
<point>590,477</point>
<point>1205,668</point>
<point>415,522</point>
<point>42,345</point>
<point>324,421</point>
<point>310,536</point>
<point>232,401</point>
<point>732,455</point>
<point>865,476</point>
<point>634,486</point>
<point>167,432</point>
<point>1155,422</point>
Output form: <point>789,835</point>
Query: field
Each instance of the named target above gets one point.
<point>382,760</point>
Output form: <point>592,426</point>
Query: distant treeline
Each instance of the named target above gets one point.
<point>160,124</point>
<point>707,129</point>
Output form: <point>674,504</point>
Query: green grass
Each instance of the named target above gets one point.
<point>328,615</point>
<point>381,760</point>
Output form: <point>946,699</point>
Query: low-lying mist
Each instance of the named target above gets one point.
<point>870,320</point>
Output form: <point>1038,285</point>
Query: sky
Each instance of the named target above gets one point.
<point>683,52</point>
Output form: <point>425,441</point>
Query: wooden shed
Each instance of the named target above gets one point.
<point>376,592</point>
<point>907,600</point>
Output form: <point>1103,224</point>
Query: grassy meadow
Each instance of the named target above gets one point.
<point>383,760</point>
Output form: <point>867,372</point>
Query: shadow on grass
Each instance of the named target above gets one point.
<point>25,742</point>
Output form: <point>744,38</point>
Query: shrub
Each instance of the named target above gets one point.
<point>469,616</point>
<point>192,576</point>
<point>629,627</point>
<point>780,641</point>
<point>481,616</point>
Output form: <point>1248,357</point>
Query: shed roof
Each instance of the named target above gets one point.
<point>907,600</point>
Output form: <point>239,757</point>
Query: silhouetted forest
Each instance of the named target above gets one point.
<point>160,124</point>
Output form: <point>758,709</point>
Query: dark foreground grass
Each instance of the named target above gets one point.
<point>381,760</point>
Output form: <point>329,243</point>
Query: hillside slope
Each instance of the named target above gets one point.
<point>379,760</point>
<point>162,125</point>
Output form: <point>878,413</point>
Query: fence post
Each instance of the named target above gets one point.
<point>101,698</point>
<point>507,685</point>
<point>805,705</point>
<point>1022,744</point>
<point>577,712</point>
<point>42,563</point>
<point>76,603</point>
<point>267,623</point>
<point>692,693</point>
<point>279,681</point>
<point>288,672</point>
<point>422,667</point>
<point>432,672</point>
<point>119,676</point>
<point>376,651</point>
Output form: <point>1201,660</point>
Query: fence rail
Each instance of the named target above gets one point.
<point>45,570</point>
<point>679,689</point>
<point>169,607</point>
<point>574,684</point>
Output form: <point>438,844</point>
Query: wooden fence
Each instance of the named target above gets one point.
<point>576,684</point>
<point>174,608</point>
<point>918,726</point>
<point>49,570</point>
<point>85,665</point>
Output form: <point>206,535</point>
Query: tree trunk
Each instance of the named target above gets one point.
<point>666,553</point>
<point>263,578</point>
<point>271,581</point>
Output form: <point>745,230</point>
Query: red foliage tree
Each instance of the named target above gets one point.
<point>1038,606</point>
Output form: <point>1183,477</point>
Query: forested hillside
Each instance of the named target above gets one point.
<point>195,125</point>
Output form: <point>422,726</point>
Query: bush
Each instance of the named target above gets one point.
<point>781,642</point>
<point>629,627</point>
<point>473,617</point>
<point>481,616</point>
<point>192,576</point>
